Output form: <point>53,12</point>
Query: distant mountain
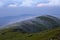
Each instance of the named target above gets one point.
<point>35,24</point>
<point>9,19</point>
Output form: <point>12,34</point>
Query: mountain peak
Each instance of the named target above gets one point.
<point>36,24</point>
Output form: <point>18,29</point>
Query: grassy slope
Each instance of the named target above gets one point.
<point>7,34</point>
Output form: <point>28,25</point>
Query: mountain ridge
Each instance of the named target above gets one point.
<point>36,24</point>
<point>38,28</point>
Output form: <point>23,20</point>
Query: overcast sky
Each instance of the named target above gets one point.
<point>13,6</point>
<point>29,3</point>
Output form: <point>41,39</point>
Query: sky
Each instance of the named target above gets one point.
<point>28,8</point>
<point>13,7</point>
<point>29,3</point>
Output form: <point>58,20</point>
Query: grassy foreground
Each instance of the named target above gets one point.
<point>53,34</point>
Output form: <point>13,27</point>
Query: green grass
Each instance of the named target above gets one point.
<point>7,34</point>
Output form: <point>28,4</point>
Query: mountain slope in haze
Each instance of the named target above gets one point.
<point>39,28</point>
<point>36,24</point>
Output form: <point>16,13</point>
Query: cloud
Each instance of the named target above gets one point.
<point>24,3</point>
<point>29,3</point>
<point>41,5</point>
<point>12,5</point>
<point>50,3</point>
<point>54,2</point>
<point>1,4</point>
<point>32,3</point>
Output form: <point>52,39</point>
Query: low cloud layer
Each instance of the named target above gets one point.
<point>29,3</point>
<point>54,2</point>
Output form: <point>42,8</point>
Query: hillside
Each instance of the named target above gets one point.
<point>36,24</point>
<point>53,34</point>
<point>40,28</point>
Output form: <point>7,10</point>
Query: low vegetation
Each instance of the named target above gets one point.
<point>7,34</point>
